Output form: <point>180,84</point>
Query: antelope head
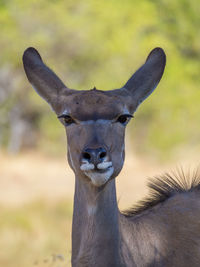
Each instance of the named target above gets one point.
<point>95,120</point>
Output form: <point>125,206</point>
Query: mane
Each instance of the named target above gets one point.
<point>165,186</point>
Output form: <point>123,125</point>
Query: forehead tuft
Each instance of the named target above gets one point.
<point>93,104</point>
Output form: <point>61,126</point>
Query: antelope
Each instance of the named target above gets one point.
<point>165,229</point>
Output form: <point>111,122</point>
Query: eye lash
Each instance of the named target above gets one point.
<point>124,118</point>
<point>128,115</point>
<point>125,114</point>
<point>67,119</point>
<point>63,116</point>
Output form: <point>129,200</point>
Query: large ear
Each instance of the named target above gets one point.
<point>44,81</point>
<point>147,77</point>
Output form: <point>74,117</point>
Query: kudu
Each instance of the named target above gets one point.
<point>165,229</point>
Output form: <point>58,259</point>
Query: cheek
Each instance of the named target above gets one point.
<point>73,145</point>
<point>116,141</point>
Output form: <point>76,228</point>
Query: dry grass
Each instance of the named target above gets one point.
<point>33,176</point>
<point>36,206</point>
<point>36,234</point>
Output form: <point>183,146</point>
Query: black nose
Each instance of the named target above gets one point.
<point>94,156</point>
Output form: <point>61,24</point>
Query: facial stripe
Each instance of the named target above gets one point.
<point>95,121</point>
<point>69,152</point>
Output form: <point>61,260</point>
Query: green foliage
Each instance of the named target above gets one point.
<point>101,43</point>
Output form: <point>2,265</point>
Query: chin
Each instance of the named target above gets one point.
<point>99,177</point>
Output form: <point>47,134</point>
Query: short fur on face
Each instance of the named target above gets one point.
<point>96,129</point>
<point>94,114</point>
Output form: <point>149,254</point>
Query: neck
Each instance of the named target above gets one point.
<point>95,229</point>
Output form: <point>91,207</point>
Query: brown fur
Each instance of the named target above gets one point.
<point>166,186</point>
<point>163,230</point>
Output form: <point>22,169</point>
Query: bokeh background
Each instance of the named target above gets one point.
<point>88,43</point>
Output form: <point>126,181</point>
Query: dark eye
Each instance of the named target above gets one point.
<point>123,119</point>
<point>67,119</point>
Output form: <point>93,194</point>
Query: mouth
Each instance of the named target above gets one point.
<point>101,170</point>
<point>99,174</point>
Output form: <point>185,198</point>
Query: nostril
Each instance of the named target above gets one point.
<point>86,156</point>
<point>94,155</point>
<point>102,155</point>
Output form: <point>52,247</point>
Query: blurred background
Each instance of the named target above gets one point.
<point>88,43</point>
